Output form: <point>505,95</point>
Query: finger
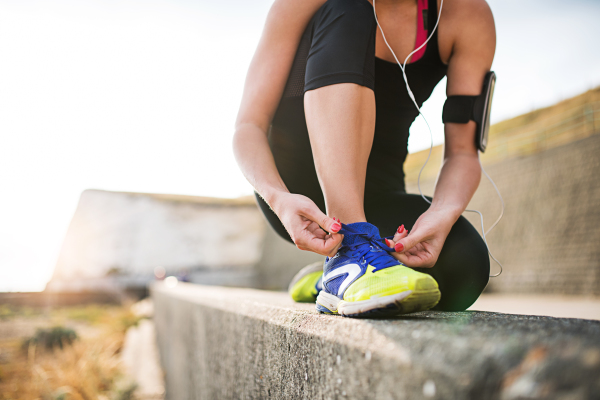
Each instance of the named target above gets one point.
<point>409,241</point>
<point>414,260</point>
<point>390,242</point>
<point>313,213</point>
<point>316,230</point>
<point>314,239</point>
<point>327,247</point>
<point>418,262</point>
<point>334,243</point>
<point>401,233</point>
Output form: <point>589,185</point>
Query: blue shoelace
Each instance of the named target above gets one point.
<point>367,245</point>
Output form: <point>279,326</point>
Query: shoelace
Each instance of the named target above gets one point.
<point>370,247</point>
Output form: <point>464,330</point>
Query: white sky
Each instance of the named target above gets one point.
<point>140,95</point>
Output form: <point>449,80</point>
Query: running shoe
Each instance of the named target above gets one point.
<point>364,280</point>
<point>306,284</point>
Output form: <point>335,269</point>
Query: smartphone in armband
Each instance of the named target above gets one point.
<point>462,109</point>
<point>485,101</point>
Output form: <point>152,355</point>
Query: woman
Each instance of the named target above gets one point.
<point>322,134</point>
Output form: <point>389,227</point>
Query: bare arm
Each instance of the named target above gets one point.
<point>265,81</point>
<point>263,88</point>
<point>471,57</point>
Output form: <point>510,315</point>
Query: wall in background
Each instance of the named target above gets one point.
<point>546,165</point>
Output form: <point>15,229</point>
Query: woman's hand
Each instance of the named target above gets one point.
<point>421,248</point>
<point>303,220</point>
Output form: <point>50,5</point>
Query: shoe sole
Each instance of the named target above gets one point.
<point>425,296</point>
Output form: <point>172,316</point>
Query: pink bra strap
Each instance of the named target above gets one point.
<point>422,33</point>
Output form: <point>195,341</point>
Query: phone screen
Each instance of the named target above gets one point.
<point>488,111</point>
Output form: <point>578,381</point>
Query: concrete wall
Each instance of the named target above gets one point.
<point>224,343</point>
<point>118,239</point>
<point>548,239</point>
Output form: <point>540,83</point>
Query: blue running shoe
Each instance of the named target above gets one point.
<point>364,280</point>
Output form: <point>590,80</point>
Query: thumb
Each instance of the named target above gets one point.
<point>409,241</point>
<point>329,224</point>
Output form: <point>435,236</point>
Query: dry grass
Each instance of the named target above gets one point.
<point>88,369</point>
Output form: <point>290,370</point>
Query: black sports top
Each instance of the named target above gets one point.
<point>395,112</point>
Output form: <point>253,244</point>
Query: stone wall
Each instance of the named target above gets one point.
<point>548,238</point>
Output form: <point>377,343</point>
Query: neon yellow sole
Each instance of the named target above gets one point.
<point>424,296</point>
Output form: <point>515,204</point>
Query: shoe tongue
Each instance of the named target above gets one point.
<point>352,232</point>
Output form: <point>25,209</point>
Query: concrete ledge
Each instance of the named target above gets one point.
<point>223,343</point>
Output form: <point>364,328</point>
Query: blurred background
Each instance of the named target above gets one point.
<point>141,96</point>
<point>116,170</point>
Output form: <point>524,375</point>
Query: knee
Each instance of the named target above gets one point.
<point>272,218</point>
<point>463,268</point>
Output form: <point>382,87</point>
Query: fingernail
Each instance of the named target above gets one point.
<point>336,227</point>
<point>387,242</point>
<point>399,247</point>
<point>401,229</point>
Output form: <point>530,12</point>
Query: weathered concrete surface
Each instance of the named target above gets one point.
<point>223,343</point>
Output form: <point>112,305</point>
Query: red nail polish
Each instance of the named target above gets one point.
<point>336,227</point>
<point>387,242</point>
<point>399,247</point>
<point>401,229</point>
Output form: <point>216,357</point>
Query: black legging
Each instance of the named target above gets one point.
<point>338,47</point>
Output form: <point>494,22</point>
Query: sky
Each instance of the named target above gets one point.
<point>142,95</point>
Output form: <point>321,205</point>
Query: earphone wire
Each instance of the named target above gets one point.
<point>412,97</point>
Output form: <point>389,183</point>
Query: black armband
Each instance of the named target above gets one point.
<point>462,109</point>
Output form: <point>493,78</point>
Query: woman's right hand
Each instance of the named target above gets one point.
<point>303,220</point>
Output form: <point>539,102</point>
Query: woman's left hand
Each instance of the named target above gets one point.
<point>421,248</point>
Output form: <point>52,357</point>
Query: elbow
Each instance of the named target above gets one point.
<point>468,160</point>
<point>235,139</point>
<point>465,153</point>
<point>239,130</point>
<point>246,134</point>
